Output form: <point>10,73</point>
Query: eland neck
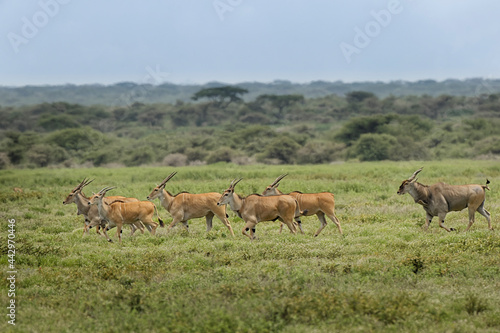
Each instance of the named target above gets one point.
<point>236,202</point>
<point>166,199</point>
<point>102,207</point>
<point>81,202</point>
<point>419,192</point>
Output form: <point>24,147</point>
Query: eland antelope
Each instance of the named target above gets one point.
<point>320,204</point>
<point>256,208</point>
<point>440,199</point>
<point>185,206</point>
<point>120,213</point>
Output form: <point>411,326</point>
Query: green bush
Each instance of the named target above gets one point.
<point>4,161</point>
<point>140,156</point>
<point>57,122</point>
<point>489,145</point>
<point>356,127</point>
<point>175,159</point>
<point>17,144</point>
<point>319,152</point>
<point>77,139</point>
<point>196,154</point>
<point>220,155</point>
<point>282,148</point>
<point>104,155</point>
<point>42,155</point>
<point>408,149</point>
<point>374,147</point>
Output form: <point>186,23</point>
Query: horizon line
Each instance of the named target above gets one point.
<point>276,81</point>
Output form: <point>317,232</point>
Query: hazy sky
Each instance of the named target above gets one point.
<point>196,41</point>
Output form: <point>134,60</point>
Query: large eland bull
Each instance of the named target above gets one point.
<point>440,199</point>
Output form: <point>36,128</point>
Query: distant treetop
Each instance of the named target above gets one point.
<point>221,96</point>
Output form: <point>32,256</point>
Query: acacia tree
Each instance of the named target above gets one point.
<point>221,96</point>
<point>358,96</point>
<point>280,101</point>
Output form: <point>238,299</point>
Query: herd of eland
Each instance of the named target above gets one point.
<point>106,212</point>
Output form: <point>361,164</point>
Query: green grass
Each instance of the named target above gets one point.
<point>385,274</point>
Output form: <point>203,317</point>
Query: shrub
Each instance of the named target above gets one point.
<point>489,145</point>
<point>196,154</point>
<point>104,155</point>
<point>374,147</point>
<point>319,152</point>
<point>176,160</point>
<point>377,147</point>
<point>4,161</point>
<point>356,127</point>
<point>407,149</point>
<point>141,155</point>
<point>57,122</point>
<point>42,155</point>
<point>255,118</point>
<point>358,96</point>
<point>18,143</point>
<point>76,139</point>
<point>282,148</point>
<point>220,155</point>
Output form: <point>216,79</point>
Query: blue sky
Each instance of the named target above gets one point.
<point>197,41</point>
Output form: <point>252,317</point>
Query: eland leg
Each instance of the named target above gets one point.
<point>441,222</point>
<point>209,217</point>
<point>486,214</point>
<point>250,225</point>
<point>226,222</point>
<point>335,220</point>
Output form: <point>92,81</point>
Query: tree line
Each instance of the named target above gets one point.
<point>127,93</point>
<point>219,125</point>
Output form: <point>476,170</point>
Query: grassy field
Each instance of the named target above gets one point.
<point>385,274</point>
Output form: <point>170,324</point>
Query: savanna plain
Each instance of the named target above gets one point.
<point>385,273</point>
